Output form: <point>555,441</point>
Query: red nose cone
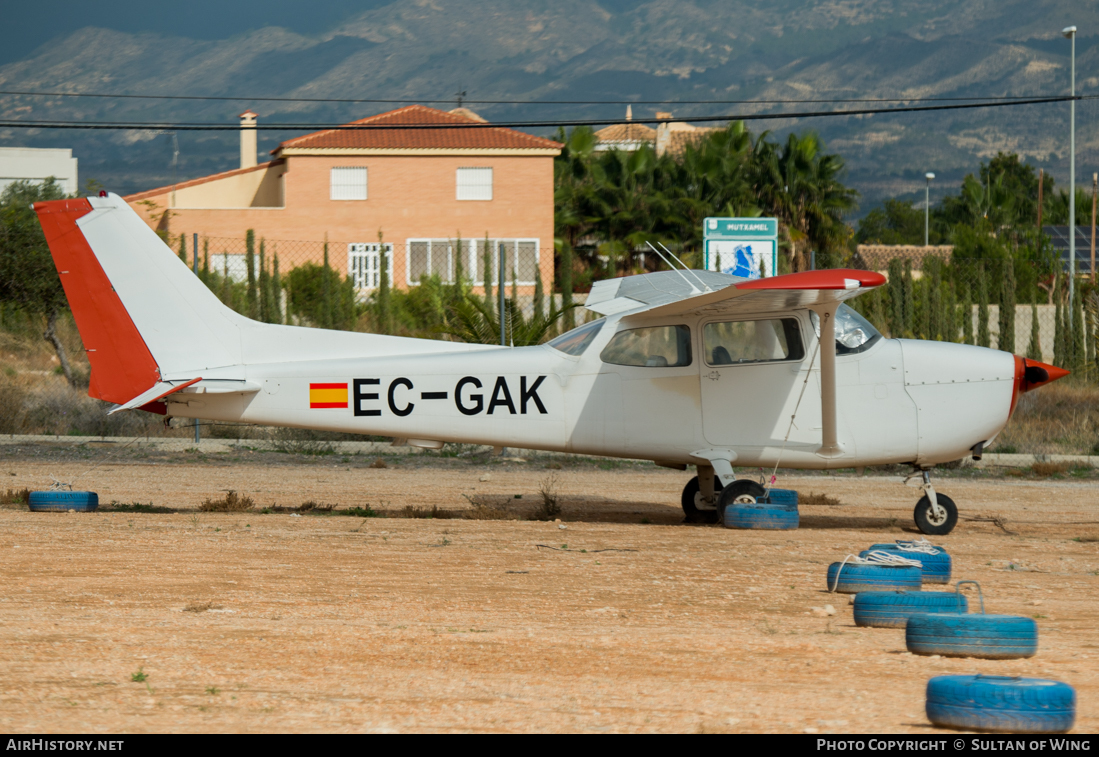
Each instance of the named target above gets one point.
<point>1030,374</point>
<point>1035,374</point>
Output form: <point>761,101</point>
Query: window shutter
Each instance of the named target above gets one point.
<point>348,184</point>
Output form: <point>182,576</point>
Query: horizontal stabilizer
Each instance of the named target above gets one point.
<point>158,392</point>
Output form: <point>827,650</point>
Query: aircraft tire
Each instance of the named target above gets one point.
<point>936,568</point>
<point>989,637</point>
<point>742,487</point>
<point>1000,703</point>
<point>891,609</point>
<point>922,515</point>
<point>689,501</point>
<point>851,578</point>
<point>63,501</point>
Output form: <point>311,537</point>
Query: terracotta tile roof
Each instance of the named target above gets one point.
<point>488,138</point>
<point>628,132</point>
<point>678,140</point>
<point>202,180</point>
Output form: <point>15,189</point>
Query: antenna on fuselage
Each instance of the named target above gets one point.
<point>685,268</point>
<point>692,286</point>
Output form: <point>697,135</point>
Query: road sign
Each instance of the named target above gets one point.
<point>745,247</point>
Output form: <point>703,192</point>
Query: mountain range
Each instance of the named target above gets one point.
<point>588,52</point>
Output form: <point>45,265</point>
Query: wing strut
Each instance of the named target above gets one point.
<point>829,446</point>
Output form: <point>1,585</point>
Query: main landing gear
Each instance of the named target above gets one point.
<point>935,514</point>
<point>698,508</point>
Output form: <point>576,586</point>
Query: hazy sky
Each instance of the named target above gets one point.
<point>24,26</point>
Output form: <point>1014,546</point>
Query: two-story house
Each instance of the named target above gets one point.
<point>410,177</point>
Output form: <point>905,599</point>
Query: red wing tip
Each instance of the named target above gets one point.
<point>832,278</point>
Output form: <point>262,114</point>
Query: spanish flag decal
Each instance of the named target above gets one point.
<point>327,395</point>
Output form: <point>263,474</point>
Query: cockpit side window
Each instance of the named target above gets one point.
<point>655,347</point>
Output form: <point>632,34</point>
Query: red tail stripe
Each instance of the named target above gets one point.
<point>122,366</point>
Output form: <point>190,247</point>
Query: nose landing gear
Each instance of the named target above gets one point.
<point>935,514</point>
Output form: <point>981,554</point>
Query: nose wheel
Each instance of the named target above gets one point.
<point>935,514</point>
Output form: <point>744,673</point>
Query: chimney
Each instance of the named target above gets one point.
<point>248,139</point>
<point>663,136</point>
<point>629,112</point>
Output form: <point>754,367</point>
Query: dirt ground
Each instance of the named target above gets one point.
<point>618,618</point>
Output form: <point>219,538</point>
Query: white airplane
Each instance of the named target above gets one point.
<point>683,368</point>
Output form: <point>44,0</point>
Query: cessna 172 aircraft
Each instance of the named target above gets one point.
<point>683,368</point>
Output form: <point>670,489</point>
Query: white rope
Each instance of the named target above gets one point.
<point>922,546</point>
<point>877,557</point>
<point>790,428</point>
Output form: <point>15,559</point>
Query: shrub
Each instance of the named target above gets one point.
<point>230,503</point>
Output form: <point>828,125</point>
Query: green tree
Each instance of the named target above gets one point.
<point>321,297</point>
<point>382,297</point>
<point>28,278</point>
<point>1034,348</point>
<point>471,320</point>
<point>1007,307</point>
<point>895,222</point>
<point>252,306</point>
<point>984,338</point>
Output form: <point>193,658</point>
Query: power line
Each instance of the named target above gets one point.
<point>391,101</point>
<point>163,126</point>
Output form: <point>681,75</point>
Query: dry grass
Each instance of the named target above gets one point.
<point>434,512</point>
<point>483,508</point>
<point>1049,469</point>
<point>15,497</point>
<point>230,503</point>
<point>314,507</point>
<point>1059,419</point>
<point>199,607</point>
<point>549,508</point>
<point>812,498</point>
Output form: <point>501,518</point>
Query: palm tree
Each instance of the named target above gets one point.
<point>472,320</point>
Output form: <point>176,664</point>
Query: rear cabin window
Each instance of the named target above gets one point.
<point>656,347</point>
<point>576,341</point>
<point>737,342</point>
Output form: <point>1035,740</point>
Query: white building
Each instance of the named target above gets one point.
<point>37,165</point>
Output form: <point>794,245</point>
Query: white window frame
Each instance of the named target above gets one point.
<point>344,191</point>
<point>477,275</point>
<point>474,254</point>
<point>473,191</point>
<point>363,264</point>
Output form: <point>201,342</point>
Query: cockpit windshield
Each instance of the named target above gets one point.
<point>854,333</point>
<point>576,341</point>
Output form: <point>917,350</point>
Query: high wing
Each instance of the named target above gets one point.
<point>704,293</point>
<point>680,293</point>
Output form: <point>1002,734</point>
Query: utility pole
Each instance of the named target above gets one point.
<point>1070,32</point>
<point>927,208</point>
<point>1094,188</point>
<point>503,310</point>
<point>1041,184</point>
<point>198,434</point>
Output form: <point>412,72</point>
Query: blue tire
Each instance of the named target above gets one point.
<point>891,609</point>
<point>856,578</point>
<point>62,501</point>
<point>936,568</point>
<point>991,637</point>
<point>758,515</point>
<point>998,703</point>
<point>787,497</point>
